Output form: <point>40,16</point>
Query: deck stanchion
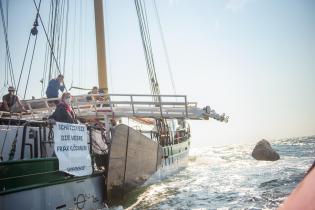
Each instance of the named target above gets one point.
<point>132,105</point>
<point>30,108</point>
<point>186,106</point>
<point>160,104</point>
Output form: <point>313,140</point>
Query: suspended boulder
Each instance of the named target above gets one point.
<point>264,151</point>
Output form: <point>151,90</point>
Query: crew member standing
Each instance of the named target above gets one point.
<point>54,86</point>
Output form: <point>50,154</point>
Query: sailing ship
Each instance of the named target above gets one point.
<point>128,140</point>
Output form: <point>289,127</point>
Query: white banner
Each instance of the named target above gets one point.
<point>71,148</point>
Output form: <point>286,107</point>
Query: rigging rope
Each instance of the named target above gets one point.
<point>66,39</point>
<point>29,71</point>
<point>6,61</point>
<point>153,74</point>
<point>7,45</point>
<point>6,70</point>
<point>61,31</point>
<point>33,32</point>
<point>80,44</point>
<point>164,47</point>
<point>21,72</point>
<point>52,47</point>
<point>84,44</point>
<point>53,54</point>
<point>146,43</point>
<point>43,81</point>
<point>73,41</point>
<point>58,32</point>
<point>150,54</point>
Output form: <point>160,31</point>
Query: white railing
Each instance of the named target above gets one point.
<point>125,105</point>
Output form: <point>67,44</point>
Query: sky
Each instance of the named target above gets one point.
<point>252,59</point>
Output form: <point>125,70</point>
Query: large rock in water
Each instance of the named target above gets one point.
<point>264,151</point>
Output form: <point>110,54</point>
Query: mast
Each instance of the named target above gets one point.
<point>100,45</point>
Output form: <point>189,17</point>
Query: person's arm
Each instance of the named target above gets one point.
<point>70,118</point>
<point>5,105</point>
<point>20,104</point>
<point>62,87</point>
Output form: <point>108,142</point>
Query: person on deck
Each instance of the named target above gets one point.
<point>11,102</point>
<point>54,86</point>
<point>64,112</point>
<point>95,90</point>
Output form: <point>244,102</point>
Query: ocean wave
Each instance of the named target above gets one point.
<point>229,178</point>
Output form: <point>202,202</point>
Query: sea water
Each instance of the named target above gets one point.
<point>229,178</point>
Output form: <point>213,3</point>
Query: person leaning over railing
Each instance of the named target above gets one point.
<point>64,112</point>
